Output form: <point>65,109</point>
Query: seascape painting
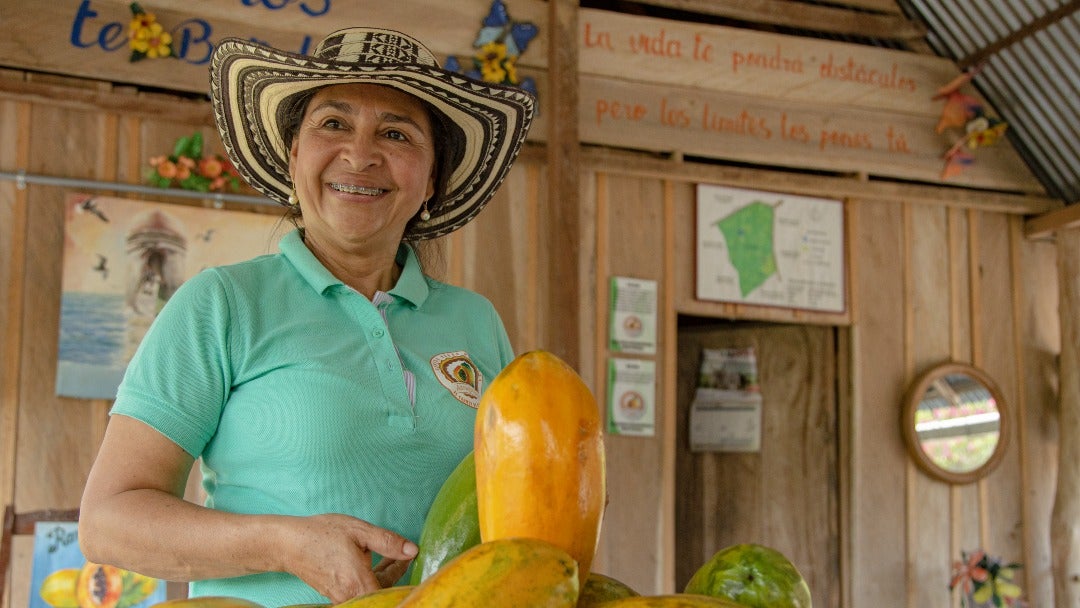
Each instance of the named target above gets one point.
<point>123,259</point>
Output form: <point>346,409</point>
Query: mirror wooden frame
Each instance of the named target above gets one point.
<point>911,402</point>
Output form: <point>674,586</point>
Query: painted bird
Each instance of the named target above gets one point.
<point>89,206</point>
<point>102,266</point>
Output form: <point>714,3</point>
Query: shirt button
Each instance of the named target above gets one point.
<point>389,365</point>
<point>378,333</point>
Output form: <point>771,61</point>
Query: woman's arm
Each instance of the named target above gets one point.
<point>133,515</point>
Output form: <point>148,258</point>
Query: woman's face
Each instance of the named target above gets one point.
<point>362,163</point>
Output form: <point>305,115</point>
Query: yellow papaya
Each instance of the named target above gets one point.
<point>508,572</point>
<point>383,598</point>
<point>58,588</point>
<point>674,600</point>
<point>539,451</point>
<point>452,525</point>
<point>600,588</point>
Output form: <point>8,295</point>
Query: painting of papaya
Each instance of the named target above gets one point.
<point>62,578</point>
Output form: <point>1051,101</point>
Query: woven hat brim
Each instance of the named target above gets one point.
<point>249,82</point>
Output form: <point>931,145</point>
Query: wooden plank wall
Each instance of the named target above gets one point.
<point>786,495</point>
<point>929,281</point>
<point>934,284</point>
<point>73,129</point>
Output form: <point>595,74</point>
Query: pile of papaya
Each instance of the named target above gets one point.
<point>518,521</point>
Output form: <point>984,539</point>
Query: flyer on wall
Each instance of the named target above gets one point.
<point>725,415</point>
<point>631,397</point>
<point>633,315</point>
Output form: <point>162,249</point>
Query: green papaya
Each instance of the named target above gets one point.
<point>600,588</point>
<point>754,575</point>
<point>672,600</point>
<point>452,524</point>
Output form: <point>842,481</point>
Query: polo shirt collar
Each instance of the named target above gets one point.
<point>411,286</point>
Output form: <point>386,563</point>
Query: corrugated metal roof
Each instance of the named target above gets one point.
<point>1029,51</point>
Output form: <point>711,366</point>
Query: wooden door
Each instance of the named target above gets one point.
<point>785,496</point>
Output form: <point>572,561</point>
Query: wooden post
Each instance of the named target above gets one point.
<point>1065,519</point>
<point>563,237</point>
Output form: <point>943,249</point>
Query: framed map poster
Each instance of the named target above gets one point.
<point>770,249</point>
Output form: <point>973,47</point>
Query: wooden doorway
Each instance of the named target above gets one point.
<point>786,495</point>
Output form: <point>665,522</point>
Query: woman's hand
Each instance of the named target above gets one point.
<point>333,554</point>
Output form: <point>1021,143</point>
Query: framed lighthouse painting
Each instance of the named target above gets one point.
<point>123,259</point>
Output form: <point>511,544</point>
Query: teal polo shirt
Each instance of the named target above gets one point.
<point>303,397</point>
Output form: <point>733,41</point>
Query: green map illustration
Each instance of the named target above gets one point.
<point>749,236</point>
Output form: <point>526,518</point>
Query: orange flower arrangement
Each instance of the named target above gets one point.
<point>985,581</point>
<point>187,168</point>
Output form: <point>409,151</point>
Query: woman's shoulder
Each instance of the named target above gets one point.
<point>455,293</point>
<point>254,275</point>
<point>253,270</point>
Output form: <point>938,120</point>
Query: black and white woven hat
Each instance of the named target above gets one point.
<point>251,86</point>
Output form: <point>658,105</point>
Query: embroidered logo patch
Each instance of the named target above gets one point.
<point>460,376</point>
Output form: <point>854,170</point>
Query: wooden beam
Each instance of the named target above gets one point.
<point>11,342</point>
<point>74,93</point>
<point>803,16</point>
<point>1043,226</point>
<point>1037,25</point>
<point>563,228</point>
<point>639,164</point>
<point>1065,518</point>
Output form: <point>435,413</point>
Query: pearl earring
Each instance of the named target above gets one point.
<point>293,199</point>
<point>425,215</point>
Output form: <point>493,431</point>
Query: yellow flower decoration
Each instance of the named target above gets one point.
<point>141,21</point>
<point>493,72</point>
<point>148,40</point>
<point>492,56</point>
<point>152,40</point>
<point>511,70</point>
<point>493,52</point>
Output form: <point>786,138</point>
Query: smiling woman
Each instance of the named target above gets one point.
<point>310,383</point>
<point>362,165</point>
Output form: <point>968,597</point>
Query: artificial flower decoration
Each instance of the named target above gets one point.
<point>500,42</point>
<point>966,112</point>
<point>187,168</point>
<point>985,581</point>
<point>146,37</point>
<point>967,571</point>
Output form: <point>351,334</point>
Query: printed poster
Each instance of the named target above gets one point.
<point>633,315</point>
<point>770,249</point>
<point>632,397</point>
<point>725,415</point>
<point>123,259</point>
<point>60,577</point>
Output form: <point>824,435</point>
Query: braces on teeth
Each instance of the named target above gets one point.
<point>357,189</point>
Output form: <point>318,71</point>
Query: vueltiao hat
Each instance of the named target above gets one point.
<point>252,85</point>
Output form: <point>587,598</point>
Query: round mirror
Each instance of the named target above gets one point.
<point>955,423</point>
